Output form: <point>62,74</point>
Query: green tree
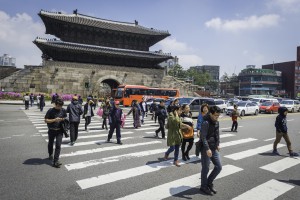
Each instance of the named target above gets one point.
<point>177,71</point>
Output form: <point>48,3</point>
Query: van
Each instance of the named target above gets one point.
<point>195,103</point>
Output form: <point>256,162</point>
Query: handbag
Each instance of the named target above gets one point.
<point>187,133</point>
<point>65,125</point>
<point>100,112</point>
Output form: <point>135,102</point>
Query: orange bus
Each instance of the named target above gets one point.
<point>127,93</point>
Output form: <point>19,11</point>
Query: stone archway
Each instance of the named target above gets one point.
<point>107,85</point>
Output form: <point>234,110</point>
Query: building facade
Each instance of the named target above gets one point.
<point>259,81</point>
<point>7,60</point>
<point>290,75</point>
<point>212,70</point>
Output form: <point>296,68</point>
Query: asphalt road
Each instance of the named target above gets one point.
<point>93,169</point>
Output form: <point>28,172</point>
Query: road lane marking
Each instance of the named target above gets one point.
<point>85,164</point>
<point>128,173</point>
<point>270,139</point>
<point>252,152</point>
<point>111,148</point>
<point>5,138</point>
<point>267,191</point>
<point>282,164</point>
<point>175,187</point>
<point>236,142</point>
<point>89,143</point>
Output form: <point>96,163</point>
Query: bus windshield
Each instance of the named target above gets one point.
<point>119,93</point>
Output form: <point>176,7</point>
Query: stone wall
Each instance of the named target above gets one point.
<point>70,78</point>
<point>6,71</point>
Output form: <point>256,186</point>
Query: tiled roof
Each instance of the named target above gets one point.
<point>54,43</point>
<point>102,23</point>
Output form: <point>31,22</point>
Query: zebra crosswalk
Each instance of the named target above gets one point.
<point>95,164</point>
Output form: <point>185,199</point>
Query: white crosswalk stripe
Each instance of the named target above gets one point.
<point>165,191</point>
<point>267,191</point>
<point>282,164</point>
<point>252,152</point>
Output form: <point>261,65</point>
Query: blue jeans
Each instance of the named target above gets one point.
<point>176,153</point>
<point>205,161</point>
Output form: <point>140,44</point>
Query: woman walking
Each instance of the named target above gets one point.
<point>136,114</point>
<point>105,107</point>
<point>174,134</point>
<point>188,133</point>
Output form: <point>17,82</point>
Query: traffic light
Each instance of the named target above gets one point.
<point>86,84</point>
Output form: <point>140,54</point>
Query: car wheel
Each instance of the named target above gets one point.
<point>243,113</point>
<point>256,112</point>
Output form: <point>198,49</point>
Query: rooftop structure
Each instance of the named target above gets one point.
<point>87,39</point>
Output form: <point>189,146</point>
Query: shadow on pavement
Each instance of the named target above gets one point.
<point>38,161</point>
<point>292,181</point>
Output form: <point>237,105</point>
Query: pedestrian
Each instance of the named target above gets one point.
<point>210,141</point>
<point>106,108</point>
<point>282,131</point>
<point>54,117</point>
<point>153,109</point>
<point>31,99</point>
<point>88,112</point>
<point>115,115</point>
<point>203,111</point>
<point>136,113</point>
<point>42,103</point>
<point>80,100</point>
<point>54,97</point>
<point>38,100</point>
<point>187,132</point>
<point>234,116</point>
<point>175,103</point>
<point>95,100</point>
<point>144,109</point>
<point>26,100</point>
<point>161,115</point>
<point>174,134</point>
<point>75,110</point>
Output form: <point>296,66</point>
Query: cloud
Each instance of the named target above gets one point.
<point>16,36</point>
<point>285,5</point>
<point>187,61</point>
<point>171,44</point>
<point>186,54</point>
<point>248,23</point>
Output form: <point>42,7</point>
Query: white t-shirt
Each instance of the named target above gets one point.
<point>144,106</point>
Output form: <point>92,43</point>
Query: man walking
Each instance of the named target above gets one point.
<point>234,116</point>
<point>88,113</point>
<point>31,99</point>
<point>75,110</point>
<point>54,118</point>
<point>210,140</point>
<point>115,122</point>
<point>162,115</point>
<point>26,101</point>
<point>144,109</point>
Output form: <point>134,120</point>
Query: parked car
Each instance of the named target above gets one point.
<point>291,105</point>
<point>195,103</point>
<point>222,104</point>
<point>269,107</point>
<point>244,108</point>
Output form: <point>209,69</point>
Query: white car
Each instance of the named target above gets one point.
<point>291,105</point>
<point>244,108</point>
<point>222,104</point>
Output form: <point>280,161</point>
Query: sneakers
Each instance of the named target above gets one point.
<point>206,191</point>
<point>176,163</point>
<point>119,142</point>
<point>72,143</point>
<point>187,156</point>
<point>292,154</point>
<point>57,164</point>
<point>211,187</point>
<point>50,157</point>
<point>183,157</point>
<point>108,140</point>
<point>166,156</point>
<point>275,152</point>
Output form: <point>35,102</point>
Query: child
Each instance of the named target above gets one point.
<point>234,115</point>
<point>281,131</point>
